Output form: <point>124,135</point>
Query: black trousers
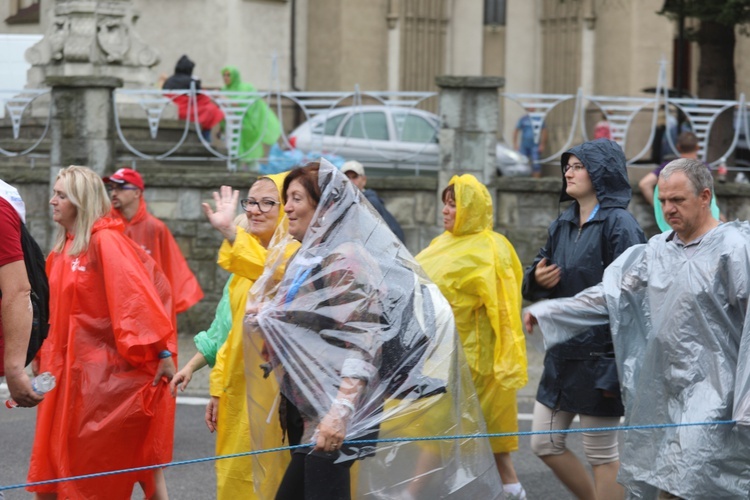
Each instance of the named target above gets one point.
<point>314,477</point>
<point>311,475</point>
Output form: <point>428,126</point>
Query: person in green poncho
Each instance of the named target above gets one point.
<point>259,124</point>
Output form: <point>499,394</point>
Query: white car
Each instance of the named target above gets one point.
<point>388,136</point>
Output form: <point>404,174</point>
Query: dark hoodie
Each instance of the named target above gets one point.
<point>577,372</point>
<point>182,77</point>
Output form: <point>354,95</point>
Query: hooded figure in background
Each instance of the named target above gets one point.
<point>208,113</point>
<point>479,273</point>
<point>259,124</point>
<point>580,376</point>
<point>183,76</point>
<point>354,312</point>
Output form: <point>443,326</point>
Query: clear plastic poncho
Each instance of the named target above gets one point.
<point>354,303</point>
<point>681,331</point>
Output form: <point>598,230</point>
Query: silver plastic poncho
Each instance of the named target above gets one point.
<point>354,303</point>
<point>681,331</point>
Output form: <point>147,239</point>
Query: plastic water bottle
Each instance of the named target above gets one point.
<point>42,384</point>
<point>722,172</point>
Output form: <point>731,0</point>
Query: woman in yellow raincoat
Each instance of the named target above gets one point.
<point>244,254</point>
<point>479,273</point>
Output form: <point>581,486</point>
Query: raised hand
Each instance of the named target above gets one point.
<point>222,219</point>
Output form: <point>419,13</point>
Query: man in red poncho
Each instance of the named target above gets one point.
<point>126,187</point>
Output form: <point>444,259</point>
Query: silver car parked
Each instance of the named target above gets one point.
<point>388,137</point>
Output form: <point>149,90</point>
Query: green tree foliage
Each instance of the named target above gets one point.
<point>716,40</point>
<point>726,12</point>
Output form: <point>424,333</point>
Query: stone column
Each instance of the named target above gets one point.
<point>82,126</point>
<point>468,137</point>
<point>91,38</point>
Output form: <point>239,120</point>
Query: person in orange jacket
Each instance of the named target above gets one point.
<point>111,343</point>
<point>126,190</point>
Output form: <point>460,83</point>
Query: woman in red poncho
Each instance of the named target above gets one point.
<point>110,343</point>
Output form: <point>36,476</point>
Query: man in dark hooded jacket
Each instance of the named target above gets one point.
<point>209,114</point>
<point>580,376</point>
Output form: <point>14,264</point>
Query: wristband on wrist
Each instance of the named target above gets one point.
<point>345,403</point>
<point>165,354</point>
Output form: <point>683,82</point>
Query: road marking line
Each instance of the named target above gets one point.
<point>196,401</point>
<point>192,401</point>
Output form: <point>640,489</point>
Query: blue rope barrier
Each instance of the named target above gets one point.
<point>365,441</point>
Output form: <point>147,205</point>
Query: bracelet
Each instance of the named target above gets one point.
<point>165,354</point>
<point>345,403</point>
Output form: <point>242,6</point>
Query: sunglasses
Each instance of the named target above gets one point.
<point>117,187</point>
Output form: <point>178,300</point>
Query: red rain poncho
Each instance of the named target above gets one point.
<point>108,323</point>
<point>154,237</point>
<point>209,113</point>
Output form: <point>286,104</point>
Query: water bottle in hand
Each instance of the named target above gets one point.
<point>42,384</point>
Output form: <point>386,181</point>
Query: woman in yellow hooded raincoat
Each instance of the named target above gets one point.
<point>479,273</point>
<point>244,253</point>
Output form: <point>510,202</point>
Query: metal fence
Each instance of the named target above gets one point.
<point>386,128</point>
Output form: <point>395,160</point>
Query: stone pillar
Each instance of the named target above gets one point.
<point>468,137</point>
<point>82,126</point>
<point>92,38</point>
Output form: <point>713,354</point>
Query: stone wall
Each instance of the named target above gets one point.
<point>524,210</point>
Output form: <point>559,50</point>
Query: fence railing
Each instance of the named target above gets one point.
<point>387,129</point>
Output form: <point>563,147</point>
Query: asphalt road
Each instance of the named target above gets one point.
<point>192,441</point>
<point>197,481</point>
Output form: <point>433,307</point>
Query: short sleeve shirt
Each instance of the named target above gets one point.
<point>10,234</point>
<point>10,249</point>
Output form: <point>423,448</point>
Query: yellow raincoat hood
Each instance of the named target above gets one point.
<point>278,180</point>
<point>473,206</point>
<point>479,273</point>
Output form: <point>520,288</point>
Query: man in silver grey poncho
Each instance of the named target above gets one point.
<point>677,307</point>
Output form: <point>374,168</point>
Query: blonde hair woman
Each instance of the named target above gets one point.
<point>111,340</point>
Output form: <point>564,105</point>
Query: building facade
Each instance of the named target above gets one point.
<point>605,47</point>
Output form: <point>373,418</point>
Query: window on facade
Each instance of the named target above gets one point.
<point>368,125</point>
<point>23,12</point>
<point>494,12</point>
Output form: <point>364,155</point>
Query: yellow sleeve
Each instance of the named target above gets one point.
<point>245,257</point>
<point>216,377</point>
<point>510,364</point>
